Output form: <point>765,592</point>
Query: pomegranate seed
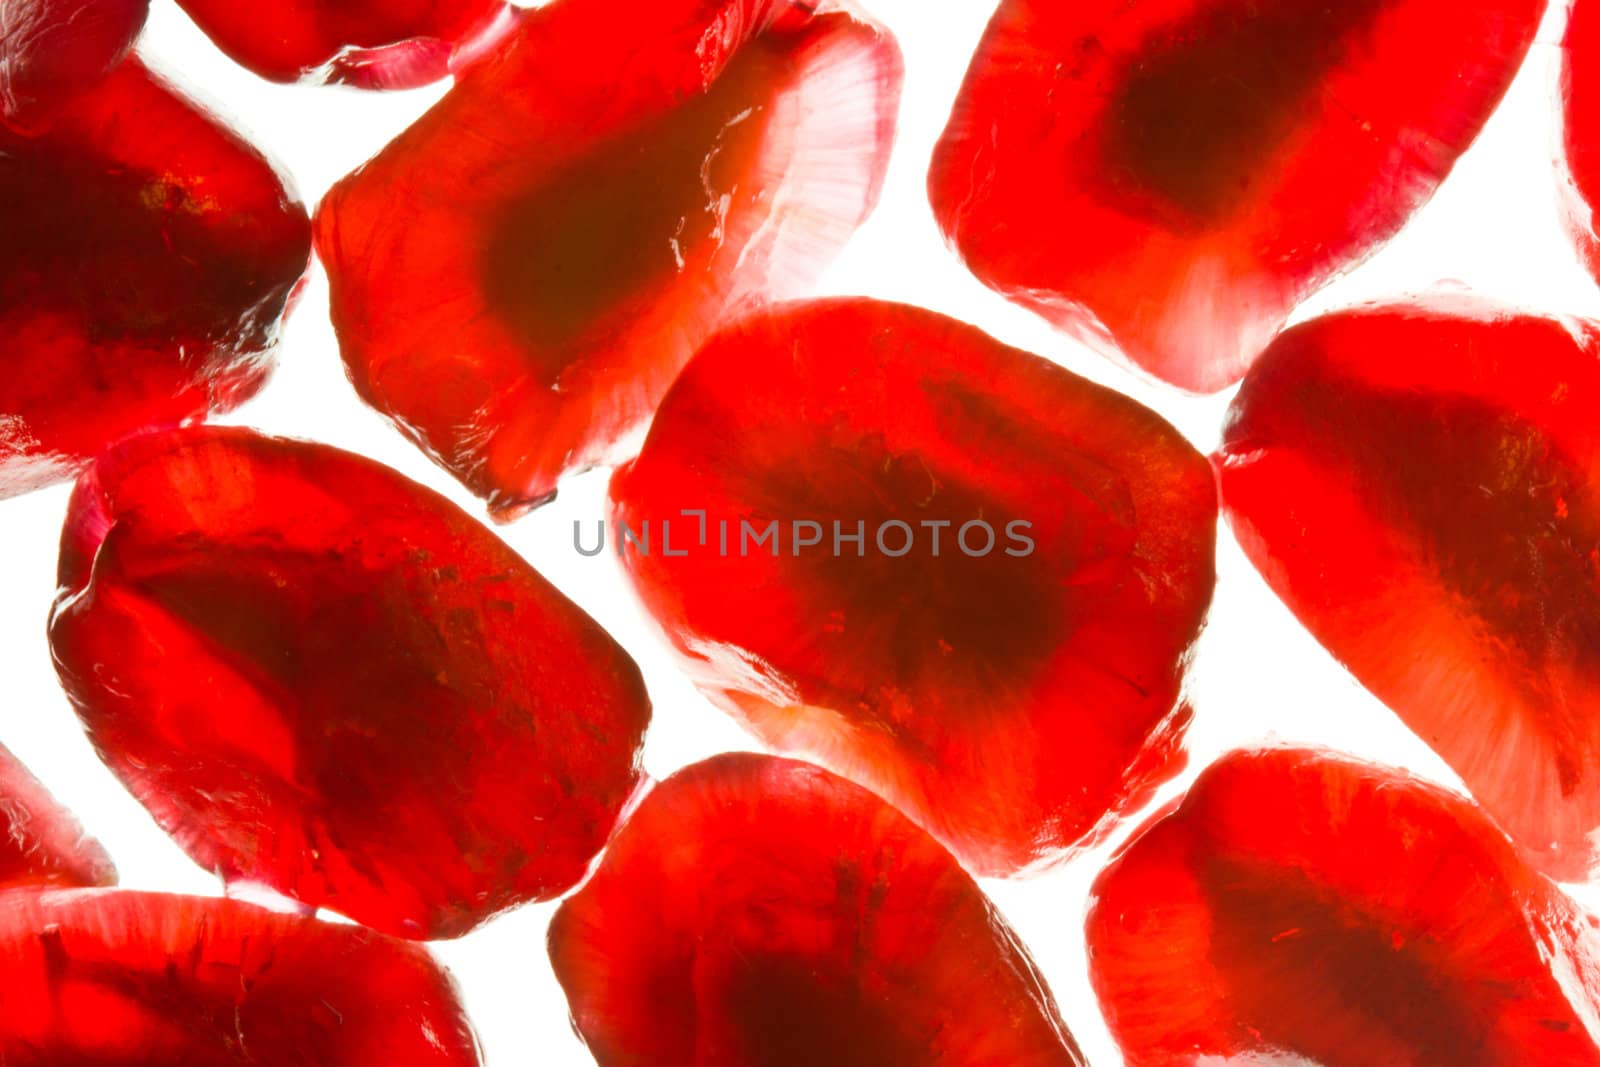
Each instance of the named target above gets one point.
<point>371,44</point>
<point>40,842</point>
<point>518,277</point>
<point>148,260</point>
<point>110,977</point>
<point>1301,907</point>
<point>1580,93</point>
<point>1169,178</point>
<point>1012,685</point>
<point>50,50</point>
<point>757,912</point>
<point>1420,483</point>
<point>324,678</point>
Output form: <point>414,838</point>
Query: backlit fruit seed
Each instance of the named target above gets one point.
<point>1169,178</point>
<point>1420,483</point>
<point>116,978</point>
<point>322,677</point>
<point>149,257</point>
<point>759,912</point>
<point>1303,907</point>
<point>944,568</point>
<point>519,276</point>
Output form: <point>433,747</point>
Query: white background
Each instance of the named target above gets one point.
<point>1493,226</point>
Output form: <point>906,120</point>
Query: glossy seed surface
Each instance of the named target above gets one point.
<point>1420,483</point>
<point>945,568</point>
<point>323,677</point>
<point>113,978</point>
<point>149,257</point>
<point>759,912</point>
<point>1302,907</point>
<point>518,277</point>
<point>1169,178</point>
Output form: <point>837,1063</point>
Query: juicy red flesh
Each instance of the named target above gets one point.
<point>1301,907</point>
<point>324,678</point>
<point>148,260</point>
<point>517,278</point>
<point>1420,483</point>
<point>51,50</point>
<point>1580,94</point>
<point>41,844</point>
<point>1170,178</point>
<point>371,44</point>
<point>758,912</point>
<point>108,977</point>
<point>1010,699</point>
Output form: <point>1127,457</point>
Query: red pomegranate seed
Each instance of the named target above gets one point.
<point>1169,178</point>
<point>1580,92</point>
<point>50,50</point>
<point>758,912</point>
<point>1421,485</point>
<point>148,258</point>
<point>109,977</point>
<point>1013,685</point>
<point>40,842</point>
<point>518,277</point>
<point>1303,908</point>
<point>371,44</point>
<point>322,677</point>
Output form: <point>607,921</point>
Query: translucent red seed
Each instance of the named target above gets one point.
<point>109,977</point>
<point>757,912</point>
<point>519,276</point>
<point>1421,484</point>
<point>1300,907</point>
<point>41,844</point>
<point>1580,95</point>
<point>324,678</point>
<point>1170,178</point>
<point>1010,678</point>
<point>149,257</point>
<point>371,44</point>
<point>51,50</point>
